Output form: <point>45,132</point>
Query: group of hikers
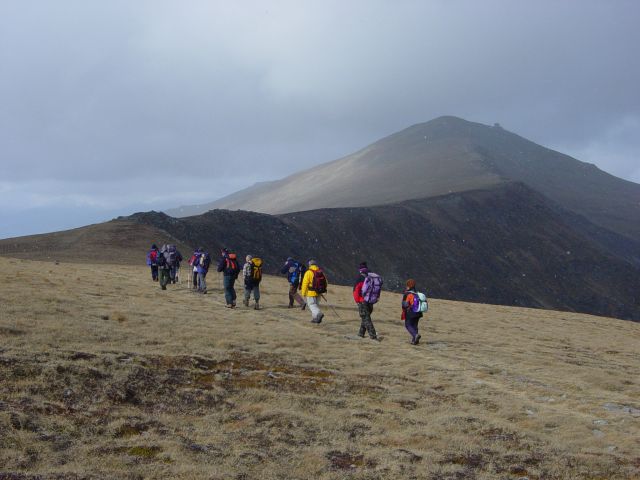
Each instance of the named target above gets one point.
<point>307,285</point>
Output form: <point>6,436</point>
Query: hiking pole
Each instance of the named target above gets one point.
<point>331,306</point>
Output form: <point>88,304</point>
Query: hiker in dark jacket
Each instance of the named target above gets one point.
<point>163,268</point>
<point>152,261</point>
<point>228,265</point>
<point>294,271</point>
<point>410,317</point>
<point>174,258</point>
<point>193,263</point>
<point>364,308</point>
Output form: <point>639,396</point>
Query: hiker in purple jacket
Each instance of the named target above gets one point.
<point>365,301</point>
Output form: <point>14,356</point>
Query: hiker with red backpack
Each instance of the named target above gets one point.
<point>252,275</point>
<point>152,261</point>
<point>366,292</point>
<point>314,286</point>
<point>294,271</point>
<point>414,304</point>
<point>228,265</point>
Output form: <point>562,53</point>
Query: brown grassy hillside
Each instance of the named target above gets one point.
<point>102,375</point>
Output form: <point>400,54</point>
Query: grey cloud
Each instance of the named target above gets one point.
<point>112,92</point>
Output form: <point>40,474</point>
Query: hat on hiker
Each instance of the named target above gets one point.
<point>289,259</point>
<point>154,246</point>
<point>363,267</point>
<point>312,261</point>
<point>249,257</point>
<point>411,283</point>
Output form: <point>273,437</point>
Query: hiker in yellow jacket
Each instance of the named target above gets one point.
<point>314,284</point>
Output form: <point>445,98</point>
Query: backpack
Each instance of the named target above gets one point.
<point>172,255</point>
<point>318,282</point>
<point>420,303</point>
<point>230,264</point>
<point>204,260</point>
<point>372,287</point>
<point>161,260</point>
<point>193,260</point>
<point>153,257</point>
<point>256,270</point>
<point>295,271</point>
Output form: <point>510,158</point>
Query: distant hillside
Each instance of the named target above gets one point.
<point>445,155</point>
<point>503,245</point>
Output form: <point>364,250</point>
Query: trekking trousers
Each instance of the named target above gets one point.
<point>229,292</point>
<point>411,324</point>
<point>312,302</point>
<point>202,282</point>
<point>366,325</point>
<point>154,273</point>
<point>164,278</point>
<point>172,273</point>
<point>294,295</point>
<point>256,292</point>
<point>194,279</point>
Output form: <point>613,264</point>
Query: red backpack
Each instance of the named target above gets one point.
<point>318,282</point>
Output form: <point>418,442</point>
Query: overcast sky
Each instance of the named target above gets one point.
<point>112,107</point>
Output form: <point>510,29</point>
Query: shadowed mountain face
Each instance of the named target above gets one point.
<point>442,156</point>
<point>504,245</point>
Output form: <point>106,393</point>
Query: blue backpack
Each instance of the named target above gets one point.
<point>295,272</point>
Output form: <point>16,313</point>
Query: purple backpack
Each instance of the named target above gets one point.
<point>372,287</point>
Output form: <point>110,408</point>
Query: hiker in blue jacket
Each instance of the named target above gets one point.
<point>152,261</point>
<point>294,271</point>
<point>202,262</point>
<point>228,265</point>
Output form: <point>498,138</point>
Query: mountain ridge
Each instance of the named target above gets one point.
<point>444,155</point>
<point>506,245</point>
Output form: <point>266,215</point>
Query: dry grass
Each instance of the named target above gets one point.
<point>102,375</point>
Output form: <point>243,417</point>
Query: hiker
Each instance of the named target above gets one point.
<point>163,267</point>
<point>193,262</point>
<point>173,260</point>
<point>252,274</point>
<point>366,292</point>
<point>202,263</point>
<point>411,312</point>
<point>294,271</point>
<point>152,261</point>
<point>314,285</point>
<point>228,265</point>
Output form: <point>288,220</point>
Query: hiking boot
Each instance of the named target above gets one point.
<point>246,302</point>
<point>256,306</point>
<point>304,305</point>
<point>320,317</point>
<point>361,335</point>
<point>417,339</point>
